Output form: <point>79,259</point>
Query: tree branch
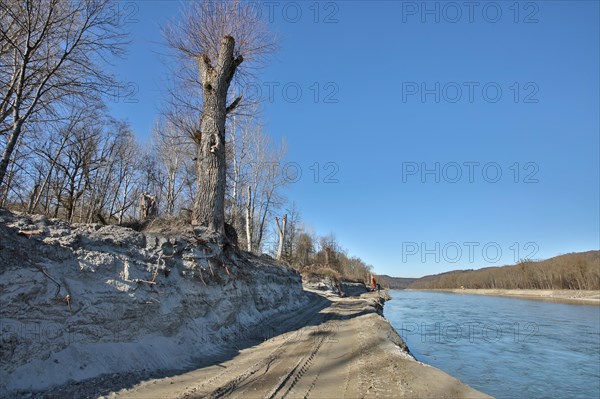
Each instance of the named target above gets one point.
<point>233,105</point>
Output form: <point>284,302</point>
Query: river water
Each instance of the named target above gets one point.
<point>505,347</point>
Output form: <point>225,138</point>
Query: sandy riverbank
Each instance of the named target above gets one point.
<point>345,349</point>
<point>90,310</point>
<point>579,297</point>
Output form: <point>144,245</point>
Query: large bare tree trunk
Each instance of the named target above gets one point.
<point>281,232</point>
<point>209,206</point>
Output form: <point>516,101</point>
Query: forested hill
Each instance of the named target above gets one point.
<point>395,283</point>
<point>570,271</point>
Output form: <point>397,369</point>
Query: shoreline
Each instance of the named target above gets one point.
<point>571,297</point>
<point>347,349</point>
<point>336,346</point>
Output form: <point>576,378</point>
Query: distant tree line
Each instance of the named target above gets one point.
<point>578,271</point>
<point>309,253</point>
<point>395,283</point>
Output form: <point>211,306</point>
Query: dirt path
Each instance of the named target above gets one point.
<point>344,350</point>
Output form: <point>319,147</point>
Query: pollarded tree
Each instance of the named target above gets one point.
<point>216,37</point>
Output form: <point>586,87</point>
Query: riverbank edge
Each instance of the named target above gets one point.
<point>400,372</point>
<point>570,297</point>
<point>383,298</point>
<point>104,385</point>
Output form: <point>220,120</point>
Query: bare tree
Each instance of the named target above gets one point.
<point>305,248</point>
<point>329,251</point>
<point>237,152</point>
<point>151,178</point>
<point>281,232</point>
<point>49,147</point>
<point>260,172</point>
<point>249,220</point>
<point>174,152</point>
<point>216,37</point>
<point>292,230</point>
<point>50,52</point>
<point>125,170</point>
<point>106,178</point>
<point>75,166</point>
<point>48,157</point>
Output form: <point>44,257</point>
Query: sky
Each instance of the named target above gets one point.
<point>428,136</point>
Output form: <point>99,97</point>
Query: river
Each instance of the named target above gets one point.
<point>505,347</point>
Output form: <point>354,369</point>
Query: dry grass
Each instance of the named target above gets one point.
<point>320,272</point>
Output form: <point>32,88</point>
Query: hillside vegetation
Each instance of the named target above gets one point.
<point>395,283</point>
<point>578,271</point>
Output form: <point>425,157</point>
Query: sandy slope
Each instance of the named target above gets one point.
<point>345,350</point>
<point>85,301</point>
<point>563,296</point>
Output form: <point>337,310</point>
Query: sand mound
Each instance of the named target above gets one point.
<point>79,301</point>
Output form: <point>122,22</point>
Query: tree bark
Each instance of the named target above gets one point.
<point>327,257</point>
<point>10,146</point>
<point>281,231</point>
<point>249,220</point>
<point>209,205</point>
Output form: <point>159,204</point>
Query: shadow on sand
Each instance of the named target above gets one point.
<point>311,316</point>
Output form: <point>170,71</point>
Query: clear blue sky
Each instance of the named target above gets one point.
<point>517,91</point>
